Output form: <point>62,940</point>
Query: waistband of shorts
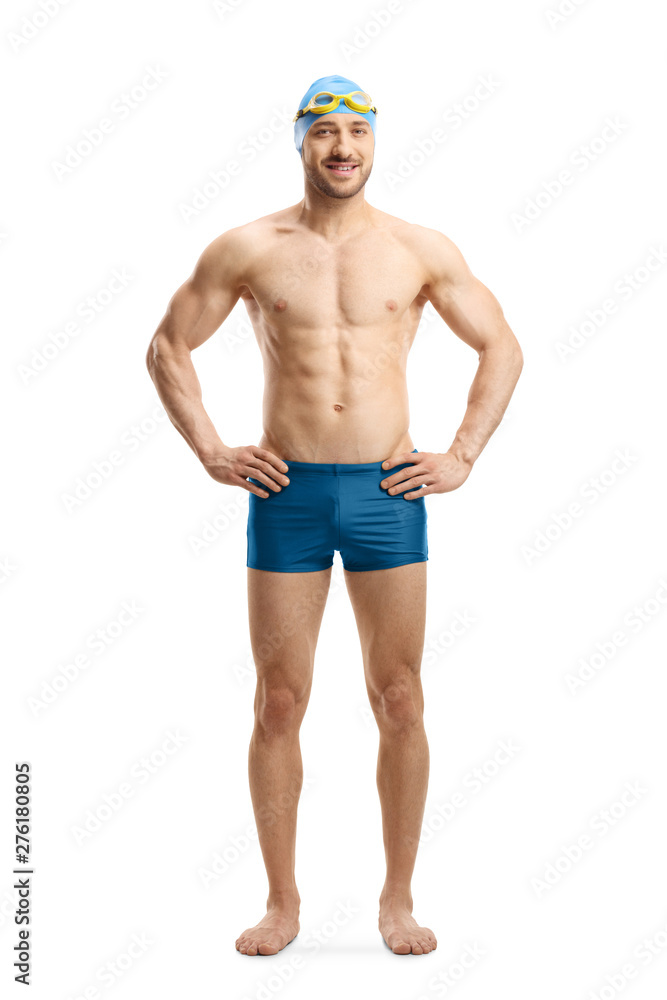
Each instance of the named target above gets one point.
<point>337,468</point>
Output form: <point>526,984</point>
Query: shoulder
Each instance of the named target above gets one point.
<point>241,243</point>
<point>229,255</point>
<point>439,255</point>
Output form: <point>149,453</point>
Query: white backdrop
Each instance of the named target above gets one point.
<point>532,134</point>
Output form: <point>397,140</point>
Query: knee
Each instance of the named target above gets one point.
<point>277,709</point>
<point>396,704</point>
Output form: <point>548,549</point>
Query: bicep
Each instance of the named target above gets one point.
<point>205,299</point>
<point>467,306</point>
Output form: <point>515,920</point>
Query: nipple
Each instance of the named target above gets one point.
<point>280,305</point>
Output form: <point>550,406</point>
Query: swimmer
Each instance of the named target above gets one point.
<point>334,289</point>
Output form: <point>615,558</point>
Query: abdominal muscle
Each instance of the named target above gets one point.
<point>349,411</point>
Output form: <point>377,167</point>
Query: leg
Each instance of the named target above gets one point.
<point>285,614</point>
<point>390,610</point>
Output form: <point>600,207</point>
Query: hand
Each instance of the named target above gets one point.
<point>232,466</point>
<point>441,473</point>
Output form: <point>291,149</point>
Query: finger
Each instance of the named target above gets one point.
<point>419,493</point>
<point>404,479</point>
<point>251,488</point>
<point>409,484</point>
<point>398,460</point>
<point>271,459</point>
<point>268,470</point>
<point>241,480</point>
<point>264,478</point>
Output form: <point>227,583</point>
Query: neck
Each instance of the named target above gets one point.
<point>334,218</point>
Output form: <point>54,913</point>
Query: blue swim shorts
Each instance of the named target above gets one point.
<point>328,506</point>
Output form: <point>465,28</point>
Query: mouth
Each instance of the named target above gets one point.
<point>342,169</point>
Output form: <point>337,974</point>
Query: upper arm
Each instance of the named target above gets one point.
<point>207,297</point>
<point>467,306</point>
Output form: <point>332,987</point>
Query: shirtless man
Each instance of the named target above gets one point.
<point>335,289</point>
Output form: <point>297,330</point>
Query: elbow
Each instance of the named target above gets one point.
<point>157,350</point>
<point>151,355</point>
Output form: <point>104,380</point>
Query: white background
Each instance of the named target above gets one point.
<point>542,596</point>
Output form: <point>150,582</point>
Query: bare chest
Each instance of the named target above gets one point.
<point>307,283</point>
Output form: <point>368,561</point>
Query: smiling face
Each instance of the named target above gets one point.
<point>338,154</point>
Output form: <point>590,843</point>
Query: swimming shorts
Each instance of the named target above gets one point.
<point>328,507</point>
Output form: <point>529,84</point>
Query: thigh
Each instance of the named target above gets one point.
<point>285,613</point>
<point>390,610</point>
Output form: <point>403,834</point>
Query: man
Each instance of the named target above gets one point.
<point>335,289</point>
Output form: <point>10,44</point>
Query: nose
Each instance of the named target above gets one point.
<point>342,147</point>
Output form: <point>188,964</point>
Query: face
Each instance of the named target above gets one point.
<point>336,142</point>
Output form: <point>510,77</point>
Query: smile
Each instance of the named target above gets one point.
<point>342,169</point>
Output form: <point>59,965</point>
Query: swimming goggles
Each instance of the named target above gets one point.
<point>326,102</point>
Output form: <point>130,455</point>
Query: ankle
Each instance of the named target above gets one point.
<point>399,898</point>
<point>283,899</point>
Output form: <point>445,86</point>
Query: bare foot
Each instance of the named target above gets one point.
<point>272,933</point>
<point>402,932</point>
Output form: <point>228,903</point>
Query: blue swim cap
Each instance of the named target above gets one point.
<point>337,85</point>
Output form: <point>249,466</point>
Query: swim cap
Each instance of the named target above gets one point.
<point>337,85</point>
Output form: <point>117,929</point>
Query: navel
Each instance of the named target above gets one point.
<point>337,406</point>
<point>391,305</point>
<point>280,305</point>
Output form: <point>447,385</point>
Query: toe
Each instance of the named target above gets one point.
<point>400,947</point>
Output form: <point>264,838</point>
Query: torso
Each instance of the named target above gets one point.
<point>335,323</point>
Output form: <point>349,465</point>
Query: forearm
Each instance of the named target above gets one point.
<point>179,389</point>
<point>491,390</point>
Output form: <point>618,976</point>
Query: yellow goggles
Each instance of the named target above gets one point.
<point>325,102</point>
